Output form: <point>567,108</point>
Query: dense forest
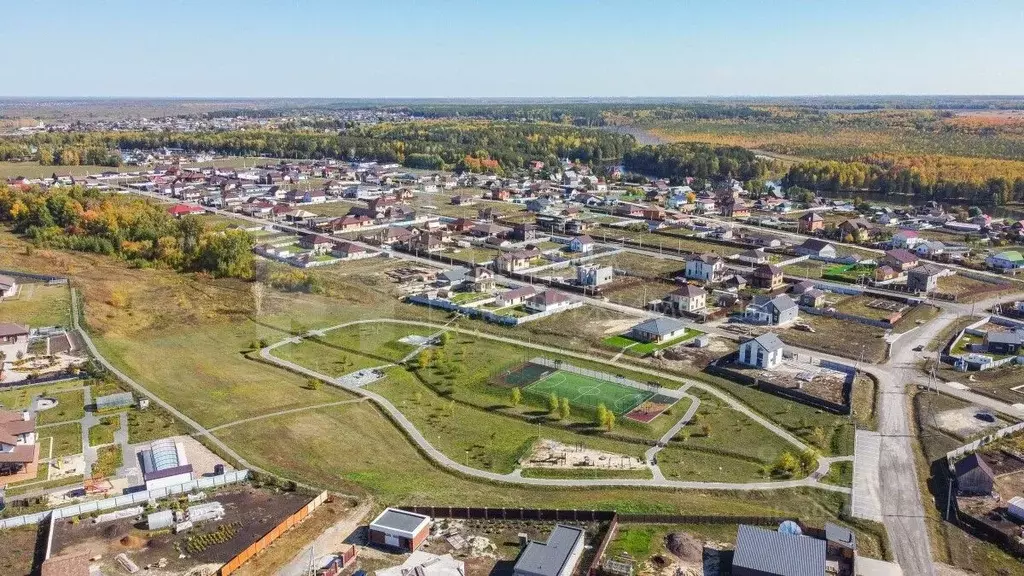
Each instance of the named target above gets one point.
<point>679,161</point>
<point>923,179</point>
<point>130,227</point>
<point>469,145</point>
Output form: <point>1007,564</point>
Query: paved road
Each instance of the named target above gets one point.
<point>427,448</point>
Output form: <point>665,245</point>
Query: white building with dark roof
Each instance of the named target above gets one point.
<point>763,352</point>
<point>661,329</point>
<point>400,529</point>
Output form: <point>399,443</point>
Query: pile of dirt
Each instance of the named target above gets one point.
<point>685,547</point>
<point>133,542</point>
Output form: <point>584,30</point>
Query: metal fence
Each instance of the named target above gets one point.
<point>559,365</point>
<point>134,498</point>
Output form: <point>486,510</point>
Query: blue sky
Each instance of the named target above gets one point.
<point>519,48</point>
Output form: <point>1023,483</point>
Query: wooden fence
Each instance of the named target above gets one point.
<point>275,533</point>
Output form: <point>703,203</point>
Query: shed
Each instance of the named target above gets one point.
<point>1015,508</point>
<point>399,529</point>
<point>974,475</point>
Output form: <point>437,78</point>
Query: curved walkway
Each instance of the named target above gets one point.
<point>658,482</point>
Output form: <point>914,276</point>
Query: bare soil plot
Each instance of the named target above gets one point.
<point>839,337</point>
<point>968,422</point>
<point>249,514</point>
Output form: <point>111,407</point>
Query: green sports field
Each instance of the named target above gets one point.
<point>587,392</point>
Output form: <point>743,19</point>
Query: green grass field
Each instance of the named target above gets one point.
<point>587,392</point>
<point>638,348</point>
<point>67,440</point>
<point>38,305</point>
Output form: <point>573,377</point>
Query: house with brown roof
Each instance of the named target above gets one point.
<point>900,260</point>
<point>17,441</point>
<point>515,261</point>
<point>810,223</point>
<point>767,276</point>
<point>13,341</point>
<point>547,301</point>
<point>688,298</point>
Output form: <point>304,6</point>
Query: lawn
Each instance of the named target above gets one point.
<point>108,460</point>
<point>67,440</point>
<point>970,290</point>
<point>477,437</point>
<point>35,170</point>
<point>21,398</point>
<point>353,348</point>
<point>38,305</point>
<point>70,407</point>
<point>638,348</point>
<point>719,431</point>
<point>840,474</point>
<point>103,432</point>
<point>354,449</point>
<point>153,423</point>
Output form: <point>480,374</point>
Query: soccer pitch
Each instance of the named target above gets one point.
<point>588,392</point>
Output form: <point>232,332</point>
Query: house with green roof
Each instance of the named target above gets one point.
<point>1009,260</point>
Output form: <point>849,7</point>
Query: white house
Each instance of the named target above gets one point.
<point>583,244</point>
<point>546,301</point>
<point>659,329</point>
<point>8,287</point>
<point>516,296</point>
<point>706,267</point>
<point>777,311</point>
<point>688,298</point>
<point>764,352</point>
<point>907,239</point>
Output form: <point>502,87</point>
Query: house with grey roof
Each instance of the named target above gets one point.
<point>974,477</point>
<point>924,278</point>
<point>661,329</point>
<point>816,248</point>
<point>761,552</point>
<point>558,556</point>
<point>778,311</point>
<point>1009,342</point>
<point>763,352</point>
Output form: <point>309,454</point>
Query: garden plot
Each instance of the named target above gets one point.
<point>249,514</point>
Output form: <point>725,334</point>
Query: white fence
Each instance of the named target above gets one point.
<point>134,498</point>
<point>973,446</point>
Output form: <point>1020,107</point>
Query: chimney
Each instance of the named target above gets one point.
<point>25,415</point>
<point>524,539</point>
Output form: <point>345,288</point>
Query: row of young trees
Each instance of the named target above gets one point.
<point>129,227</point>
